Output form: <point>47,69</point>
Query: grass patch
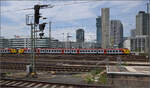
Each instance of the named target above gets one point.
<point>124,64</point>
<point>96,76</point>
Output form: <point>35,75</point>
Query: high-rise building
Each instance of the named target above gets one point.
<point>3,42</point>
<point>105,28</point>
<point>139,44</point>
<point>148,43</point>
<point>148,7</point>
<point>142,23</point>
<point>116,34</point>
<point>80,37</point>
<point>133,32</point>
<point>99,31</point>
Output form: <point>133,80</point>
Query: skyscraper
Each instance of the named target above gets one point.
<point>140,42</point>
<point>116,34</point>
<point>142,23</point>
<point>133,32</point>
<point>148,7</point>
<point>105,28</point>
<point>80,37</point>
<point>99,31</point>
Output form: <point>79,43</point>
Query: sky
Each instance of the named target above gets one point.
<point>68,16</point>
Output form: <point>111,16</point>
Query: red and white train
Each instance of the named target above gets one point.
<point>66,51</point>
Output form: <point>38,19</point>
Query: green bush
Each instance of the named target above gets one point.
<point>103,79</point>
<point>89,78</point>
<point>95,72</point>
<point>125,64</point>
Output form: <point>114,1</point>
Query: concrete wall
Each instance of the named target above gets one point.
<point>129,81</point>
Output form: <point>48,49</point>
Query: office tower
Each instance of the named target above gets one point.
<point>80,37</point>
<point>133,32</point>
<point>105,28</point>
<point>142,23</point>
<point>148,7</point>
<point>116,34</point>
<point>98,32</point>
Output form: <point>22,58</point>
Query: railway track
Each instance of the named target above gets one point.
<point>43,67</point>
<point>76,57</point>
<point>22,83</point>
<point>62,68</point>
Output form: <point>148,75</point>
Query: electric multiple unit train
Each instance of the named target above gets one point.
<point>65,51</point>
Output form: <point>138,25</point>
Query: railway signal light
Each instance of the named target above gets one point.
<point>42,26</point>
<point>37,14</point>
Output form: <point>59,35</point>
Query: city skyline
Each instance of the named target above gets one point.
<point>83,16</point>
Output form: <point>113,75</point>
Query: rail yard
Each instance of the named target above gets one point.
<point>75,44</point>
<point>60,65</point>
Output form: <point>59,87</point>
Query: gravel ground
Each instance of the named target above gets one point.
<point>46,76</point>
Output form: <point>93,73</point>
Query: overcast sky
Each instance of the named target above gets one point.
<point>67,16</point>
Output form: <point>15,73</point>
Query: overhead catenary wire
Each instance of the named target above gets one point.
<point>66,4</point>
<point>7,11</point>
